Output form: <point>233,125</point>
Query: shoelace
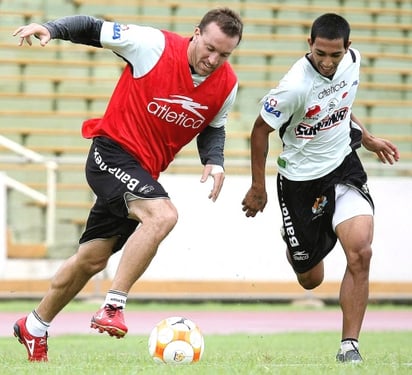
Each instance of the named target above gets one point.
<point>356,349</point>
<point>111,310</point>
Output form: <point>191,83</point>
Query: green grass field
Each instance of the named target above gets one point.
<point>291,353</point>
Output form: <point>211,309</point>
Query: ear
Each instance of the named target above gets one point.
<point>196,33</point>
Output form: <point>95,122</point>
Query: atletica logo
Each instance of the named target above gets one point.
<point>332,89</point>
<point>300,255</point>
<point>162,108</point>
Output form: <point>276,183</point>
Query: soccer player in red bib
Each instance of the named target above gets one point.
<point>173,89</point>
<point>322,186</point>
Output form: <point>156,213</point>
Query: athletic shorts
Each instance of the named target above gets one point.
<point>349,202</point>
<point>312,209</point>
<point>115,177</point>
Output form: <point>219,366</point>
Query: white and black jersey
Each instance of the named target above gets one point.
<point>312,114</point>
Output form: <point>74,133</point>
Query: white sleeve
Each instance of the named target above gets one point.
<point>140,46</point>
<point>278,106</point>
<point>221,118</point>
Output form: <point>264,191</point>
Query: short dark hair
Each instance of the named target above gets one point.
<point>331,26</point>
<point>228,21</point>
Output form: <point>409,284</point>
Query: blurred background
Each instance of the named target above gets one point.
<point>46,94</point>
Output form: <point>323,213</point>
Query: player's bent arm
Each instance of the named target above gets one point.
<point>77,29</point>
<point>259,142</point>
<point>366,136</point>
<point>383,148</point>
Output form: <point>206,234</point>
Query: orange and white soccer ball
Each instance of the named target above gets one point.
<point>176,340</point>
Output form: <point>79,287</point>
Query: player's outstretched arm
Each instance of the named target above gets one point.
<point>34,29</point>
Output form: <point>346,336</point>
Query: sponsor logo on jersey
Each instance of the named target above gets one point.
<point>270,107</point>
<point>309,131</point>
<point>332,105</point>
<point>332,89</point>
<point>313,111</point>
<point>187,115</point>
<point>117,30</point>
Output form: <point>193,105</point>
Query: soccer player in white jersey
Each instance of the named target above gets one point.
<point>322,186</point>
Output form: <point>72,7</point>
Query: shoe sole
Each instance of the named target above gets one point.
<point>112,331</point>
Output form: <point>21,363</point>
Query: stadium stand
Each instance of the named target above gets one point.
<point>46,93</point>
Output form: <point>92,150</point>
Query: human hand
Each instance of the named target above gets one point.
<point>218,174</point>
<point>39,31</point>
<point>383,148</point>
<point>254,201</point>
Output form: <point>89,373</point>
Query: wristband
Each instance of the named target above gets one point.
<point>216,169</point>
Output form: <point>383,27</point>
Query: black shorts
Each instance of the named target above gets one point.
<point>114,176</point>
<point>307,209</point>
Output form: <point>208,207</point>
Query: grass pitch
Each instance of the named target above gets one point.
<point>292,353</point>
<point>384,353</point>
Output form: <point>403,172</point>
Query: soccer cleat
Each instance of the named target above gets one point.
<point>110,319</point>
<point>350,356</point>
<point>36,346</point>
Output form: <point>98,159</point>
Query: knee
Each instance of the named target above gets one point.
<point>359,260</point>
<point>309,283</point>
<point>164,219</point>
<point>92,266</point>
<point>312,278</point>
<point>159,214</point>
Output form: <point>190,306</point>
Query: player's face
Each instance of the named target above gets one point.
<point>326,54</point>
<point>210,49</point>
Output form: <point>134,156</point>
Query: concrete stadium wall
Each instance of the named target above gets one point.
<point>215,241</point>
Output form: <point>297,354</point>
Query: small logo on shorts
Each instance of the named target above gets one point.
<point>319,205</point>
<point>146,189</point>
<point>300,255</point>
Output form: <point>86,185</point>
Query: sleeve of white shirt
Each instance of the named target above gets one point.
<point>140,46</point>
<point>278,106</point>
<point>221,118</point>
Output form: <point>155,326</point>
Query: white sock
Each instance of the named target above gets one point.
<point>35,325</point>
<point>349,344</point>
<point>115,298</point>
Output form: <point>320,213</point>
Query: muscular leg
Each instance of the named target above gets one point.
<point>73,275</point>
<point>355,236</point>
<point>157,218</point>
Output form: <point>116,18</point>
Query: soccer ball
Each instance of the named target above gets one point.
<point>176,340</point>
